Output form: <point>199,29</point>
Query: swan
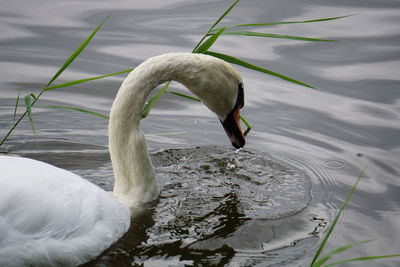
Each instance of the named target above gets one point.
<point>51,217</point>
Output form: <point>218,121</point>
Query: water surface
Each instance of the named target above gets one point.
<point>319,140</point>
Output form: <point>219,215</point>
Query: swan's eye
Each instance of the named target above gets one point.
<point>240,97</point>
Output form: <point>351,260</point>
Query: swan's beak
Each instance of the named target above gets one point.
<point>232,128</point>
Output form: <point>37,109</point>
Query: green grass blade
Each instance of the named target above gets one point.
<point>248,125</point>
<point>76,53</point>
<point>291,22</point>
<point>85,80</point>
<point>154,100</point>
<point>271,35</point>
<point>224,15</point>
<point>335,220</point>
<point>76,109</point>
<point>283,22</point>
<point>323,259</point>
<point>17,103</point>
<point>242,63</point>
<point>66,64</point>
<point>209,42</point>
<point>361,259</point>
<point>215,23</point>
<point>28,105</point>
<point>185,96</point>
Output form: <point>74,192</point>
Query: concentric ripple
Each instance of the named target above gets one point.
<point>204,189</point>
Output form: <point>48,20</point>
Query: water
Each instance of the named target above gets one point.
<point>323,137</point>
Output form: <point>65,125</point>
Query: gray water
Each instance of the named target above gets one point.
<point>266,205</point>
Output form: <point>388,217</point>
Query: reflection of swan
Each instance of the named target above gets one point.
<point>49,216</point>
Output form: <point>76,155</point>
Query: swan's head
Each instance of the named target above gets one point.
<point>220,87</point>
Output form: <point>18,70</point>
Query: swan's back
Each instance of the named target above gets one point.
<point>50,216</point>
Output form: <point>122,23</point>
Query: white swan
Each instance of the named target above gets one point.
<point>52,217</point>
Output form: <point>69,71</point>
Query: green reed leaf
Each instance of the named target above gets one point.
<point>270,35</point>
<point>224,15</point>
<point>242,63</point>
<point>209,42</point>
<point>335,220</point>
<point>215,24</point>
<point>248,125</point>
<point>361,259</point>
<point>154,100</point>
<point>75,109</point>
<point>85,80</point>
<point>291,22</point>
<point>17,103</point>
<point>76,53</point>
<point>323,259</point>
<point>70,59</point>
<point>185,96</point>
<point>283,22</point>
<point>28,105</point>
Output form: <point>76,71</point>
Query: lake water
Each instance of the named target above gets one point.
<point>265,206</point>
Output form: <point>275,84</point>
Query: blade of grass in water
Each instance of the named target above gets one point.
<point>76,53</point>
<point>335,220</point>
<point>242,63</point>
<point>290,22</point>
<point>362,259</point>
<point>317,261</point>
<point>248,129</point>
<point>270,35</point>
<point>215,24</point>
<point>17,103</point>
<point>28,105</point>
<point>70,59</point>
<point>281,23</point>
<point>209,42</point>
<point>323,259</point>
<point>154,100</point>
<point>224,15</point>
<point>76,109</point>
<point>186,96</point>
<point>85,80</point>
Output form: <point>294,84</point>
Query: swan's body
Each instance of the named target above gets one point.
<point>49,216</point>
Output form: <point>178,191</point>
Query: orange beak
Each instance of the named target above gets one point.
<point>232,128</point>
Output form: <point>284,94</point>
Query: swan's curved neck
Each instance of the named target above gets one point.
<point>134,173</point>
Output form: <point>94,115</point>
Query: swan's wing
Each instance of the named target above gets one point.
<point>50,216</point>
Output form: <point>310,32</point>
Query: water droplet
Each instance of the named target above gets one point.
<point>231,166</point>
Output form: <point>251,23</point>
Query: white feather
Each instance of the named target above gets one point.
<point>50,216</point>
